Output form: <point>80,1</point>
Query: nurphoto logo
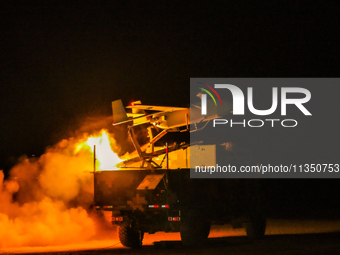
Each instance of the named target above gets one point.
<point>239,104</point>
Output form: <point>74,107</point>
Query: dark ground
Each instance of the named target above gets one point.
<point>276,244</point>
<point>282,237</point>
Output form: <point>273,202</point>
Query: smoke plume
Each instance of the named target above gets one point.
<point>46,201</point>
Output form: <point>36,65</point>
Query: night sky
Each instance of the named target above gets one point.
<point>64,63</point>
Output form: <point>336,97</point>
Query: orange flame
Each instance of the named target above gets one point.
<point>106,158</point>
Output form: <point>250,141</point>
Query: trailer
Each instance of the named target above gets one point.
<point>148,201</point>
<point>153,191</point>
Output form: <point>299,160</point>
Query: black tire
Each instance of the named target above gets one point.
<point>194,229</point>
<point>130,237</point>
<point>256,205</point>
<point>206,230</point>
<point>256,227</point>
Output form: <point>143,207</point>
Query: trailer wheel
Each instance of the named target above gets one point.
<point>130,237</point>
<point>256,227</point>
<point>206,230</point>
<point>194,229</point>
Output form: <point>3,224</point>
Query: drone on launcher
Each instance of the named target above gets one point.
<point>164,120</point>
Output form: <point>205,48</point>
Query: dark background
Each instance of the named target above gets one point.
<point>62,64</point>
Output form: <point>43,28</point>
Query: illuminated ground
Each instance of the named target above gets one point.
<point>282,237</point>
